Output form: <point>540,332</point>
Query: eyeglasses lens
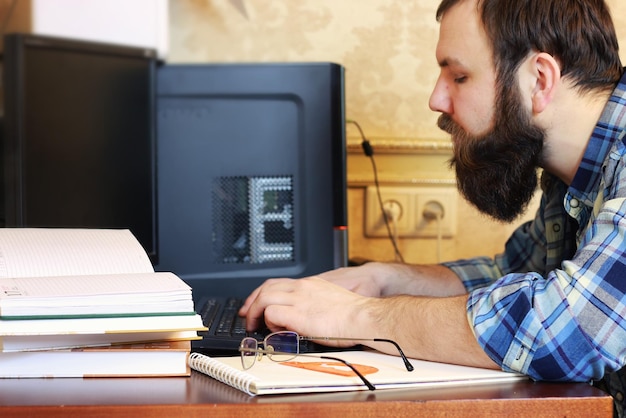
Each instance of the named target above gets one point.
<point>248,350</point>
<point>286,343</point>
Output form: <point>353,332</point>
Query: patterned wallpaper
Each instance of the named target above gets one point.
<point>387,47</point>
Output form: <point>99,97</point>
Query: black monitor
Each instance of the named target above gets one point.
<point>251,167</point>
<point>79,136</point>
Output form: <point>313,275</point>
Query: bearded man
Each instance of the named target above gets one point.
<point>524,86</point>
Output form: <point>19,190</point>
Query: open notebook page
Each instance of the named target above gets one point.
<point>45,252</point>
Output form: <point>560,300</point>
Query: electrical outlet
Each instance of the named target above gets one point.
<point>394,200</point>
<point>410,203</point>
<point>427,227</point>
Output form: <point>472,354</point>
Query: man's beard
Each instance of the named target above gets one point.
<point>497,171</point>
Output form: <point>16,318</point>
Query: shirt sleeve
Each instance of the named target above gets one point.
<point>568,323</point>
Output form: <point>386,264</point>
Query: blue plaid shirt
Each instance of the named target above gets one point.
<point>553,305</point>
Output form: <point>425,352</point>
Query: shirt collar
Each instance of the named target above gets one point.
<point>607,130</point>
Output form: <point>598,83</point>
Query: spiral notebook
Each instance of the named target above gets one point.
<point>309,374</point>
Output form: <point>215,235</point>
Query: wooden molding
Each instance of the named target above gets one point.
<point>401,146</point>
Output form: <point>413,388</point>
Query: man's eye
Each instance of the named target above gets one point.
<point>460,80</point>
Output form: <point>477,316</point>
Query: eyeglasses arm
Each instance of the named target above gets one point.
<point>367,383</point>
<point>406,361</point>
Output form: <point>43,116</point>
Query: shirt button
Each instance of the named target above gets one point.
<point>556,227</point>
<point>574,203</point>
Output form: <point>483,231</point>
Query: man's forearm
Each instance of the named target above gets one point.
<point>419,280</point>
<point>427,328</point>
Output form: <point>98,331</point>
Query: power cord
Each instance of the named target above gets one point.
<point>393,210</point>
<point>434,211</point>
<point>369,152</point>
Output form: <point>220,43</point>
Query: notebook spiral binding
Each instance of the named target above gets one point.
<point>221,372</point>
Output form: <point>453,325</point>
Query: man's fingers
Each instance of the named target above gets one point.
<point>272,292</point>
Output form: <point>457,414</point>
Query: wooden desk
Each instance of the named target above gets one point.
<point>201,396</point>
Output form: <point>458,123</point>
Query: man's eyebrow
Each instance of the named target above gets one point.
<point>448,61</point>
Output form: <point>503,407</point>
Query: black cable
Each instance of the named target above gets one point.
<point>369,152</point>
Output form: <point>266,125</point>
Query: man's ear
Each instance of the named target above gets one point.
<point>547,72</point>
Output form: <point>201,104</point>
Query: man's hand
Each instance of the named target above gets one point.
<point>309,306</point>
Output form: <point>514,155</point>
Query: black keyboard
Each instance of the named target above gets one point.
<point>226,329</point>
<point>223,318</point>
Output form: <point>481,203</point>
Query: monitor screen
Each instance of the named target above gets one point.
<point>79,136</point>
<point>251,168</point>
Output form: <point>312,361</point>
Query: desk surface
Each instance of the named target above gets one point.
<point>202,396</point>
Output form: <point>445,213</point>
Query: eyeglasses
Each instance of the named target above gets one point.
<point>285,345</point>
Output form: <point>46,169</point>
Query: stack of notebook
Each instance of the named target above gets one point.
<point>79,303</point>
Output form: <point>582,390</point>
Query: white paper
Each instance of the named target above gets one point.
<point>45,252</point>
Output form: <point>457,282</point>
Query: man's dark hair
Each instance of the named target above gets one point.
<point>579,34</point>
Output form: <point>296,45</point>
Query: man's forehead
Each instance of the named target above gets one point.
<point>461,34</point>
